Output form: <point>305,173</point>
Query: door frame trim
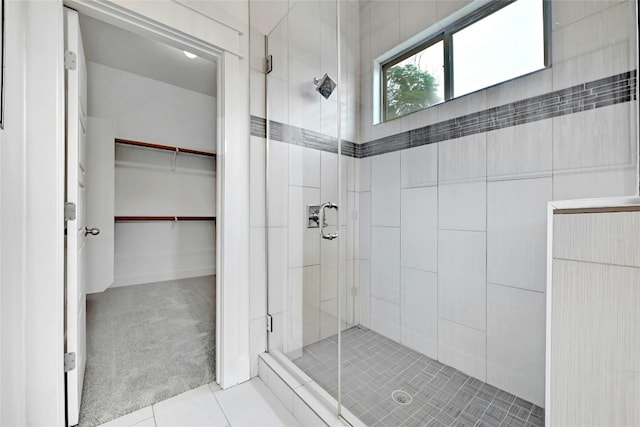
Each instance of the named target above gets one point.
<point>232,353</point>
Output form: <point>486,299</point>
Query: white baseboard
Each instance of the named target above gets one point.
<point>162,276</point>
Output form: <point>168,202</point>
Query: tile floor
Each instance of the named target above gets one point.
<point>249,404</point>
<point>375,366</point>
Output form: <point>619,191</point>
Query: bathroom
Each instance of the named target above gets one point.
<point>442,238</point>
<point>372,267</point>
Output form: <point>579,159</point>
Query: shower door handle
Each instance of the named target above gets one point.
<point>323,223</point>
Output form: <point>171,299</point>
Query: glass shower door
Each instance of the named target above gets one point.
<point>307,209</point>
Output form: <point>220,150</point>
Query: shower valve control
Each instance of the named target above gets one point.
<point>313,216</point>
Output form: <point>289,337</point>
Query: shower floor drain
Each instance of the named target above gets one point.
<point>401,397</point>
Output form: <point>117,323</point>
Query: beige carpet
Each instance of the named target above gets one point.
<point>146,343</point>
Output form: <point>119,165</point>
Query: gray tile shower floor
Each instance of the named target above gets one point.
<point>146,343</point>
<point>375,366</point>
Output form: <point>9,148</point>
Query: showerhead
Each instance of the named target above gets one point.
<point>325,85</point>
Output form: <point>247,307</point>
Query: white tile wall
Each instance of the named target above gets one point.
<point>304,166</point>
<point>503,180</point>
<point>462,159</point>
<point>304,283</point>
<point>517,233</point>
<point>365,174</point>
<point>592,184</point>
<point>594,138</point>
<point>415,16</point>
<point>516,341</point>
<point>521,88</point>
<point>419,166</point>
<point>365,225</point>
<point>295,306</point>
<point>462,277</point>
<point>605,62</point>
<point>257,273</point>
<point>257,342</point>
<point>520,151</point>
<point>304,243</point>
<point>278,268</point>
<point>385,263</point>
<point>365,293</point>
<point>463,206</point>
<point>463,348</point>
<point>278,201</point>
<point>257,178</point>
<point>593,32</point>
<point>419,230</point>
<point>385,189</point>
<point>385,318</point>
<point>419,311</point>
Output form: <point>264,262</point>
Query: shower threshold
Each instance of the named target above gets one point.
<point>387,384</point>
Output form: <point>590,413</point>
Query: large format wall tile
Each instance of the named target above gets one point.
<point>385,263</point>
<point>594,138</point>
<point>463,206</point>
<point>385,189</point>
<point>516,341</point>
<point>278,187</point>
<point>304,243</point>
<point>364,293</point>
<point>462,277</point>
<point>419,166</point>
<point>462,159</point>
<point>304,166</point>
<point>517,233</point>
<point>595,183</point>
<point>419,230</point>
<point>385,318</point>
<point>463,348</point>
<point>278,268</point>
<point>520,151</point>
<point>419,311</point>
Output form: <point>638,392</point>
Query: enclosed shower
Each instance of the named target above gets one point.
<point>336,294</point>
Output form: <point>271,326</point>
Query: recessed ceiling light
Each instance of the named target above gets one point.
<point>189,55</point>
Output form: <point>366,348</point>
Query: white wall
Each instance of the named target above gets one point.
<point>31,225</point>
<point>12,223</point>
<point>147,183</point>
<point>456,265</point>
<point>149,110</point>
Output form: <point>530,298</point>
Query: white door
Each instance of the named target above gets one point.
<point>76,116</point>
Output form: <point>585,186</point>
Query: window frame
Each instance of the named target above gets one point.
<point>446,36</point>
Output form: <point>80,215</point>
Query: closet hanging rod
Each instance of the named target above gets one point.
<point>165,147</point>
<point>164,218</point>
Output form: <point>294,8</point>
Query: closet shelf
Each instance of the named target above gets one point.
<point>165,147</point>
<point>164,218</point>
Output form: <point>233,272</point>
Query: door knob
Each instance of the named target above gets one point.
<point>92,231</point>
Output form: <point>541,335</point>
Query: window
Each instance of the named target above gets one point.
<point>499,42</point>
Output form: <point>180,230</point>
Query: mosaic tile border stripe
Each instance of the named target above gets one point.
<point>303,137</point>
<point>599,93</point>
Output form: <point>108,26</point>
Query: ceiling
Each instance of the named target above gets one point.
<point>114,47</point>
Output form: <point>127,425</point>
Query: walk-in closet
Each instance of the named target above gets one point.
<point>150,206</point>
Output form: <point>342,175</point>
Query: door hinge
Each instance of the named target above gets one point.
<point>269,63</point>
<point>69,211</point>
<point>69,60</point>
<point>269,323</point>
<point>69,362</point>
